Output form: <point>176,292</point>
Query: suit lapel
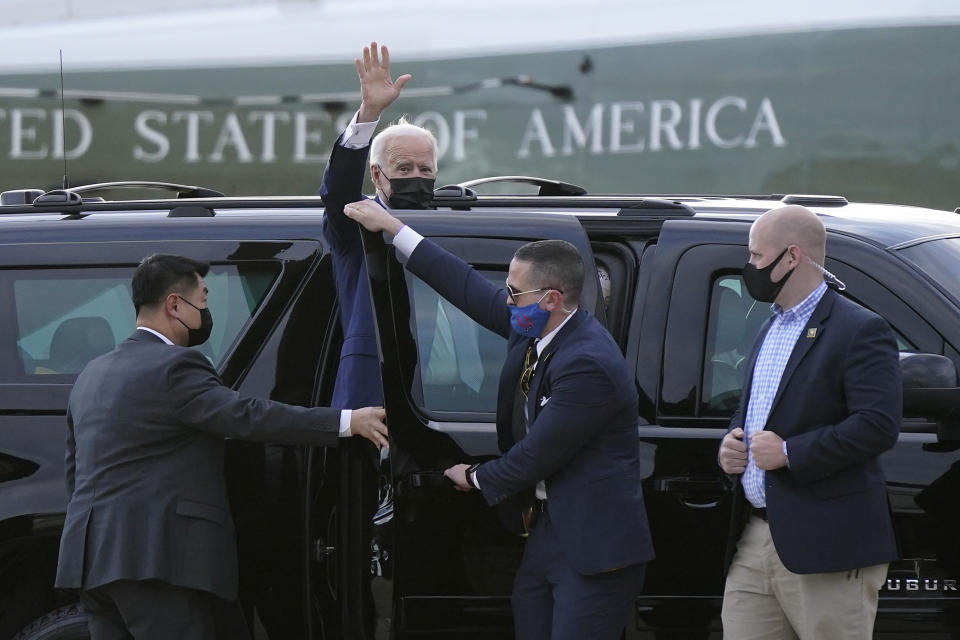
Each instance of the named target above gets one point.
<point>513,364</point>
<point>539,374</point>
<point>811,333</point>
<point>509,379</point>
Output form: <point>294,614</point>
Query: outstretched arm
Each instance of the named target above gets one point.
<point>204,403</point>
<point>450,276</point>
<point>343,177</point>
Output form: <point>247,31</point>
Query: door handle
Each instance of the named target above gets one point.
<point>425,479</point>
<point>695,493</point>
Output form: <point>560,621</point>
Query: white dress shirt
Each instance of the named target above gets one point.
<point>357,135</point>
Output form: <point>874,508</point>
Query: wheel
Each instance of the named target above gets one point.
<point>65,623</point>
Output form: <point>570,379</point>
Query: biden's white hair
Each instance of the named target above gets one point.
<point>400,128</point>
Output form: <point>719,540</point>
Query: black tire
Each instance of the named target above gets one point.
<point>65,623</point>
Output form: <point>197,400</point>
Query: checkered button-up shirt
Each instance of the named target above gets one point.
<point>785,330</point>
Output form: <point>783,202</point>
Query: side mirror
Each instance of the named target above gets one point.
<point>931,390</point>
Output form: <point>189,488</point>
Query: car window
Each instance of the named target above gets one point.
<point>734,320</point>
<point>66,317</point>
<point>733,324</point>
<point>938,259</point>
<point>459,361</point>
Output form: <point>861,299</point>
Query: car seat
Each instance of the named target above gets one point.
<point>79,340</point>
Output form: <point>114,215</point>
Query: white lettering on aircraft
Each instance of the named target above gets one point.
<point>304,137</point>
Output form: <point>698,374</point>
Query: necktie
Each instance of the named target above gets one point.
<point>529,362</point>
<point>519,426</point>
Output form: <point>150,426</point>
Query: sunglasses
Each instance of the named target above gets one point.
<point>513,294</point>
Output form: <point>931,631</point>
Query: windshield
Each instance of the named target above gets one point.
<point>940,260</point>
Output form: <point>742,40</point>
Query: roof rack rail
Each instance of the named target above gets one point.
<point>452,195</point>
<point>547,187</point>
<point>58,199</point>
<point>814,200</point>
<point>653,206</point>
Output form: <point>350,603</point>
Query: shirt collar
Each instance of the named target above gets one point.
<point>801,311</point>
<point>545,340</point>
<point>156,333</point>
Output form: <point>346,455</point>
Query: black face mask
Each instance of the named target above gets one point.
<point>759,283</point>
<point>411,193</point>
<point>200,335</point>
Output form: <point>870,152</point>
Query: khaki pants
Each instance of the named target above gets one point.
<point>762,600</point>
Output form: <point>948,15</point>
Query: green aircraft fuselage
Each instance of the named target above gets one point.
<point>869,113</point>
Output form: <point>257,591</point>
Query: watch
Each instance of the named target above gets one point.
<point>468,472</point>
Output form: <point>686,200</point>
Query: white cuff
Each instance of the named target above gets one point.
<point>473,476</point>
<point>357,134</point>
<point>785,456</point>
<point>345,417</point>
<point>406,241</point>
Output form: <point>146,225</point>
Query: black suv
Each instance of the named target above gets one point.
<point>439,564</point>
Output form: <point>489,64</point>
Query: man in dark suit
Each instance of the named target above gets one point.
<point>148,536</point>
<point>403,164</point>
<point>566,422</point>
<point>821,401</point>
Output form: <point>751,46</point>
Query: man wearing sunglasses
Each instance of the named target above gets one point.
<point>566,416</point>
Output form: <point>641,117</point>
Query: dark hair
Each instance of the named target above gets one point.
<point>160,274</point>
<point>556,264</point>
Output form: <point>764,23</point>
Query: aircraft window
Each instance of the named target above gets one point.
<point>65,318</point>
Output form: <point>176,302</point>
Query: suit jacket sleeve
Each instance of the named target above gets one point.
<point>204,403</point>
<point>460,283</point>
<point>583,398</point>
<point>342,184</point>
<point>873,391</point>
<point>70,463</point>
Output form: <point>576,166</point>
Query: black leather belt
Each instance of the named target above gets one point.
<point>759,512</point>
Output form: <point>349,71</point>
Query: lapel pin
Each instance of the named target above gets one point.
<point>812,332</point>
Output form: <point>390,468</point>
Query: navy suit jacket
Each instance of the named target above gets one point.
<point>358,377</point>
<point>582,435</point>
<point>145,467</point>
<point>838,407</point>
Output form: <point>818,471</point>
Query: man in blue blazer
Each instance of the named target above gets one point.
<point>821,401</point>
<point>566,423</point>
<point>403,163</point>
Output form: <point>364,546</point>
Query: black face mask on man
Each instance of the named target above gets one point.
<point>759,282</point>
<point>202,333</point>
<point>410,193</point>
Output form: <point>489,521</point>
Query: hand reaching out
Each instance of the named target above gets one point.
<point>372,216</point>
<point>368,423</point>
<point>457,475</point>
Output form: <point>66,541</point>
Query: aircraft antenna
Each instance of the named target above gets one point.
<point>63,126</point>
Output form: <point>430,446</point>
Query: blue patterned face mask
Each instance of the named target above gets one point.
<point>530,320</point>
